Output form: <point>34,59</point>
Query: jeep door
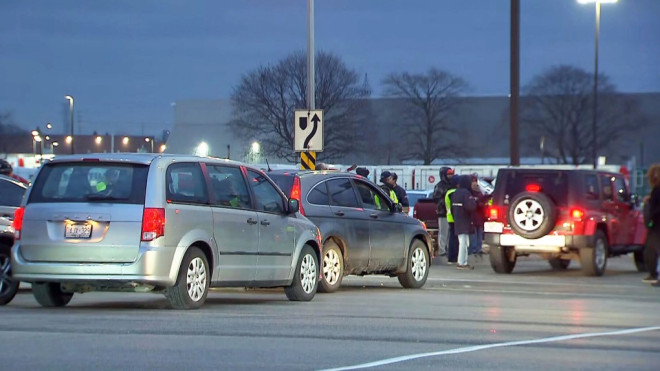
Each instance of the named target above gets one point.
<point>276,230</point>
<point>235,225</point>
<point>617,205</point>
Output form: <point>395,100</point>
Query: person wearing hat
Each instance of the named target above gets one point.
<point>439,192</point>
<point>387,185</point>
<point>401,194</point>
<point>363,171</point>
<point>7,170</point>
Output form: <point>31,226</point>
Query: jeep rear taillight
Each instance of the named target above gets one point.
<point>532,187</point>
<point>153,223</point>
<point>17,223</point>
<point>577,214</point>
<point>493,212</point>
<point>296,194</point>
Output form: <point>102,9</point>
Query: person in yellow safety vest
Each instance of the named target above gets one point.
<point>388,185</point>
<point>452,244</point>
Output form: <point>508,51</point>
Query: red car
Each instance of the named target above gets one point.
<point>563,215</point>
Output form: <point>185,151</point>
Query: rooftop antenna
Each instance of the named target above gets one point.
<point>267,164</point>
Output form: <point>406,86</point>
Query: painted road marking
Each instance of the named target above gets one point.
<point>490,346</point>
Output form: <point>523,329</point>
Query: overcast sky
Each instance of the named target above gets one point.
<point>126,61</point>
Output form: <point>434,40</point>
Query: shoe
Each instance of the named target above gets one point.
<point>650,279</point>
<point>451,263</point>
<point>464,267</point>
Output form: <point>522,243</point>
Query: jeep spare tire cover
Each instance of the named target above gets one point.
<point>532,214</point>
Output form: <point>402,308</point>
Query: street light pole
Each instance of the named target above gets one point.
<point>594,123</point>
<point>70,98</point>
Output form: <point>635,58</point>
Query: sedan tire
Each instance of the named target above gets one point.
<point>417,266</point>
<point>332,267</point>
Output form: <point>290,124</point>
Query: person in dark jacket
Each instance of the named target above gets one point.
<point>478,217</point>
<point>401,195</point>
<point>439,192</point>
<point>463,205</point>
<point>452,238</point>
<point>652,245</point>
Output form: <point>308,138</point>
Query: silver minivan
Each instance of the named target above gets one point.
<point>173,224</point>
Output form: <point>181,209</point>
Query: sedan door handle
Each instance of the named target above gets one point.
<point>251,221</point>
<point>265,222</point>
<point>339,213</point>
<point>373,216</point>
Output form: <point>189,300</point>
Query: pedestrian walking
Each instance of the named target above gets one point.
<point>652,222</point>
<point>463,205</point>
<point>439,193</point>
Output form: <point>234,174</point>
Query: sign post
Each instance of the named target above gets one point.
<point>308,136</point>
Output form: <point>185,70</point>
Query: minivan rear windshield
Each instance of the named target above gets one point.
<point>90,182</point>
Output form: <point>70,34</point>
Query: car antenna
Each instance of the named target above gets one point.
<point>267,164</point>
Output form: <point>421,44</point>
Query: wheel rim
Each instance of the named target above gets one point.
<point>331,267</point>
<point>308,273</point>
<point>5,274</point>
<point>418,264</point>
<point>196,279</point>
<point>528,215</point>
<point>599,253</point>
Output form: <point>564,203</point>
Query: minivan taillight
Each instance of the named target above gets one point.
<point>17,223</point>
<point>296,193</point>
<point>153,223</point>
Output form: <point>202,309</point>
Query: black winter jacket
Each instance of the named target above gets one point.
<point>463,205</point>
<point>440,191</point>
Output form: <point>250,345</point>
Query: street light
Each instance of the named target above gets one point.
<point>70,98</point>
<point>594,126</point>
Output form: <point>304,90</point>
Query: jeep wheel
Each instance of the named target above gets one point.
<point>192,283</point>
<point>8,286</point>
<point>50,294</point>
<point>639,261</point>
<point>305,278</point>
<point>333,267</point>
<point>417,266</point>
<point>532,214</point>
<point>559,264</point>
<point>502,258</point>
<point>594,259</point>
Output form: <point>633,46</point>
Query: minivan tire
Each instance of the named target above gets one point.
<point>499,259</point>
<point>305,277</point>
<point>417,266</point>
<point>594,258</point>
<point>332,266</point>
<point>192,283</point>
<point>50,294</point>
<point>8,286</point>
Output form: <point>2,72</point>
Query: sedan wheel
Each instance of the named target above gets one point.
<point>333,267</point>
<point>417,266</point>
<point>8,287</point>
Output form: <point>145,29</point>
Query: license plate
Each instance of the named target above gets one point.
<point>493,227</point>
<point>78,230</point>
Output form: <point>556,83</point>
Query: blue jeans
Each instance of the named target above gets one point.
<point>452,245</point>
<point>476,239</point>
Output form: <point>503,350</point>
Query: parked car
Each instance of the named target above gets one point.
<point>11,194</point>
<point>170,224</point>
<point>414,195</point>
<point>363,231</point>
<point>563,215</point>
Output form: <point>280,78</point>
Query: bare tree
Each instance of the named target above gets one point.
<point>558,107</point>
<point>266,99</point>
<point>427,106</point>
<point>7,126</point>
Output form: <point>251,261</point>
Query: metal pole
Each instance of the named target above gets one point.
<point>70,98</point>
<point>311,103</point>
<point>594,127</point>
<point>514,144</point>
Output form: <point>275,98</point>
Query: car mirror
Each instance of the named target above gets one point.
<point>294,206</point>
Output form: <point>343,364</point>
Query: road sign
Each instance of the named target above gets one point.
<point>308,132</point>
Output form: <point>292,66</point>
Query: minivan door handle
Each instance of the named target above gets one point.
<point>373,216</point>
<point>251,221</point>
<point>339,213</point>
<point>265,222</point>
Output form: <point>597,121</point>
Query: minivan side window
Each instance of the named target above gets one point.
<point>342,193</point>
<point>186,184</point>
<point>228,186</point>
<point>267,197</point>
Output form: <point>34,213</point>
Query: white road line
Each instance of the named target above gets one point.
<point>489,346</point>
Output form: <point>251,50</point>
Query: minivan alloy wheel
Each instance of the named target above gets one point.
<point>308,274</point>
<point>196,279</point>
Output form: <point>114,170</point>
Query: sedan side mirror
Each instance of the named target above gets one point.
<point>294,206</point>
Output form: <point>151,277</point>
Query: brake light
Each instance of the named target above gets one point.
<point>296,194</point>
<point>493,213</point>
<point>577,214</point>
<point>153,223</point>
<point>532,188</point>
<point>17,223</point>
